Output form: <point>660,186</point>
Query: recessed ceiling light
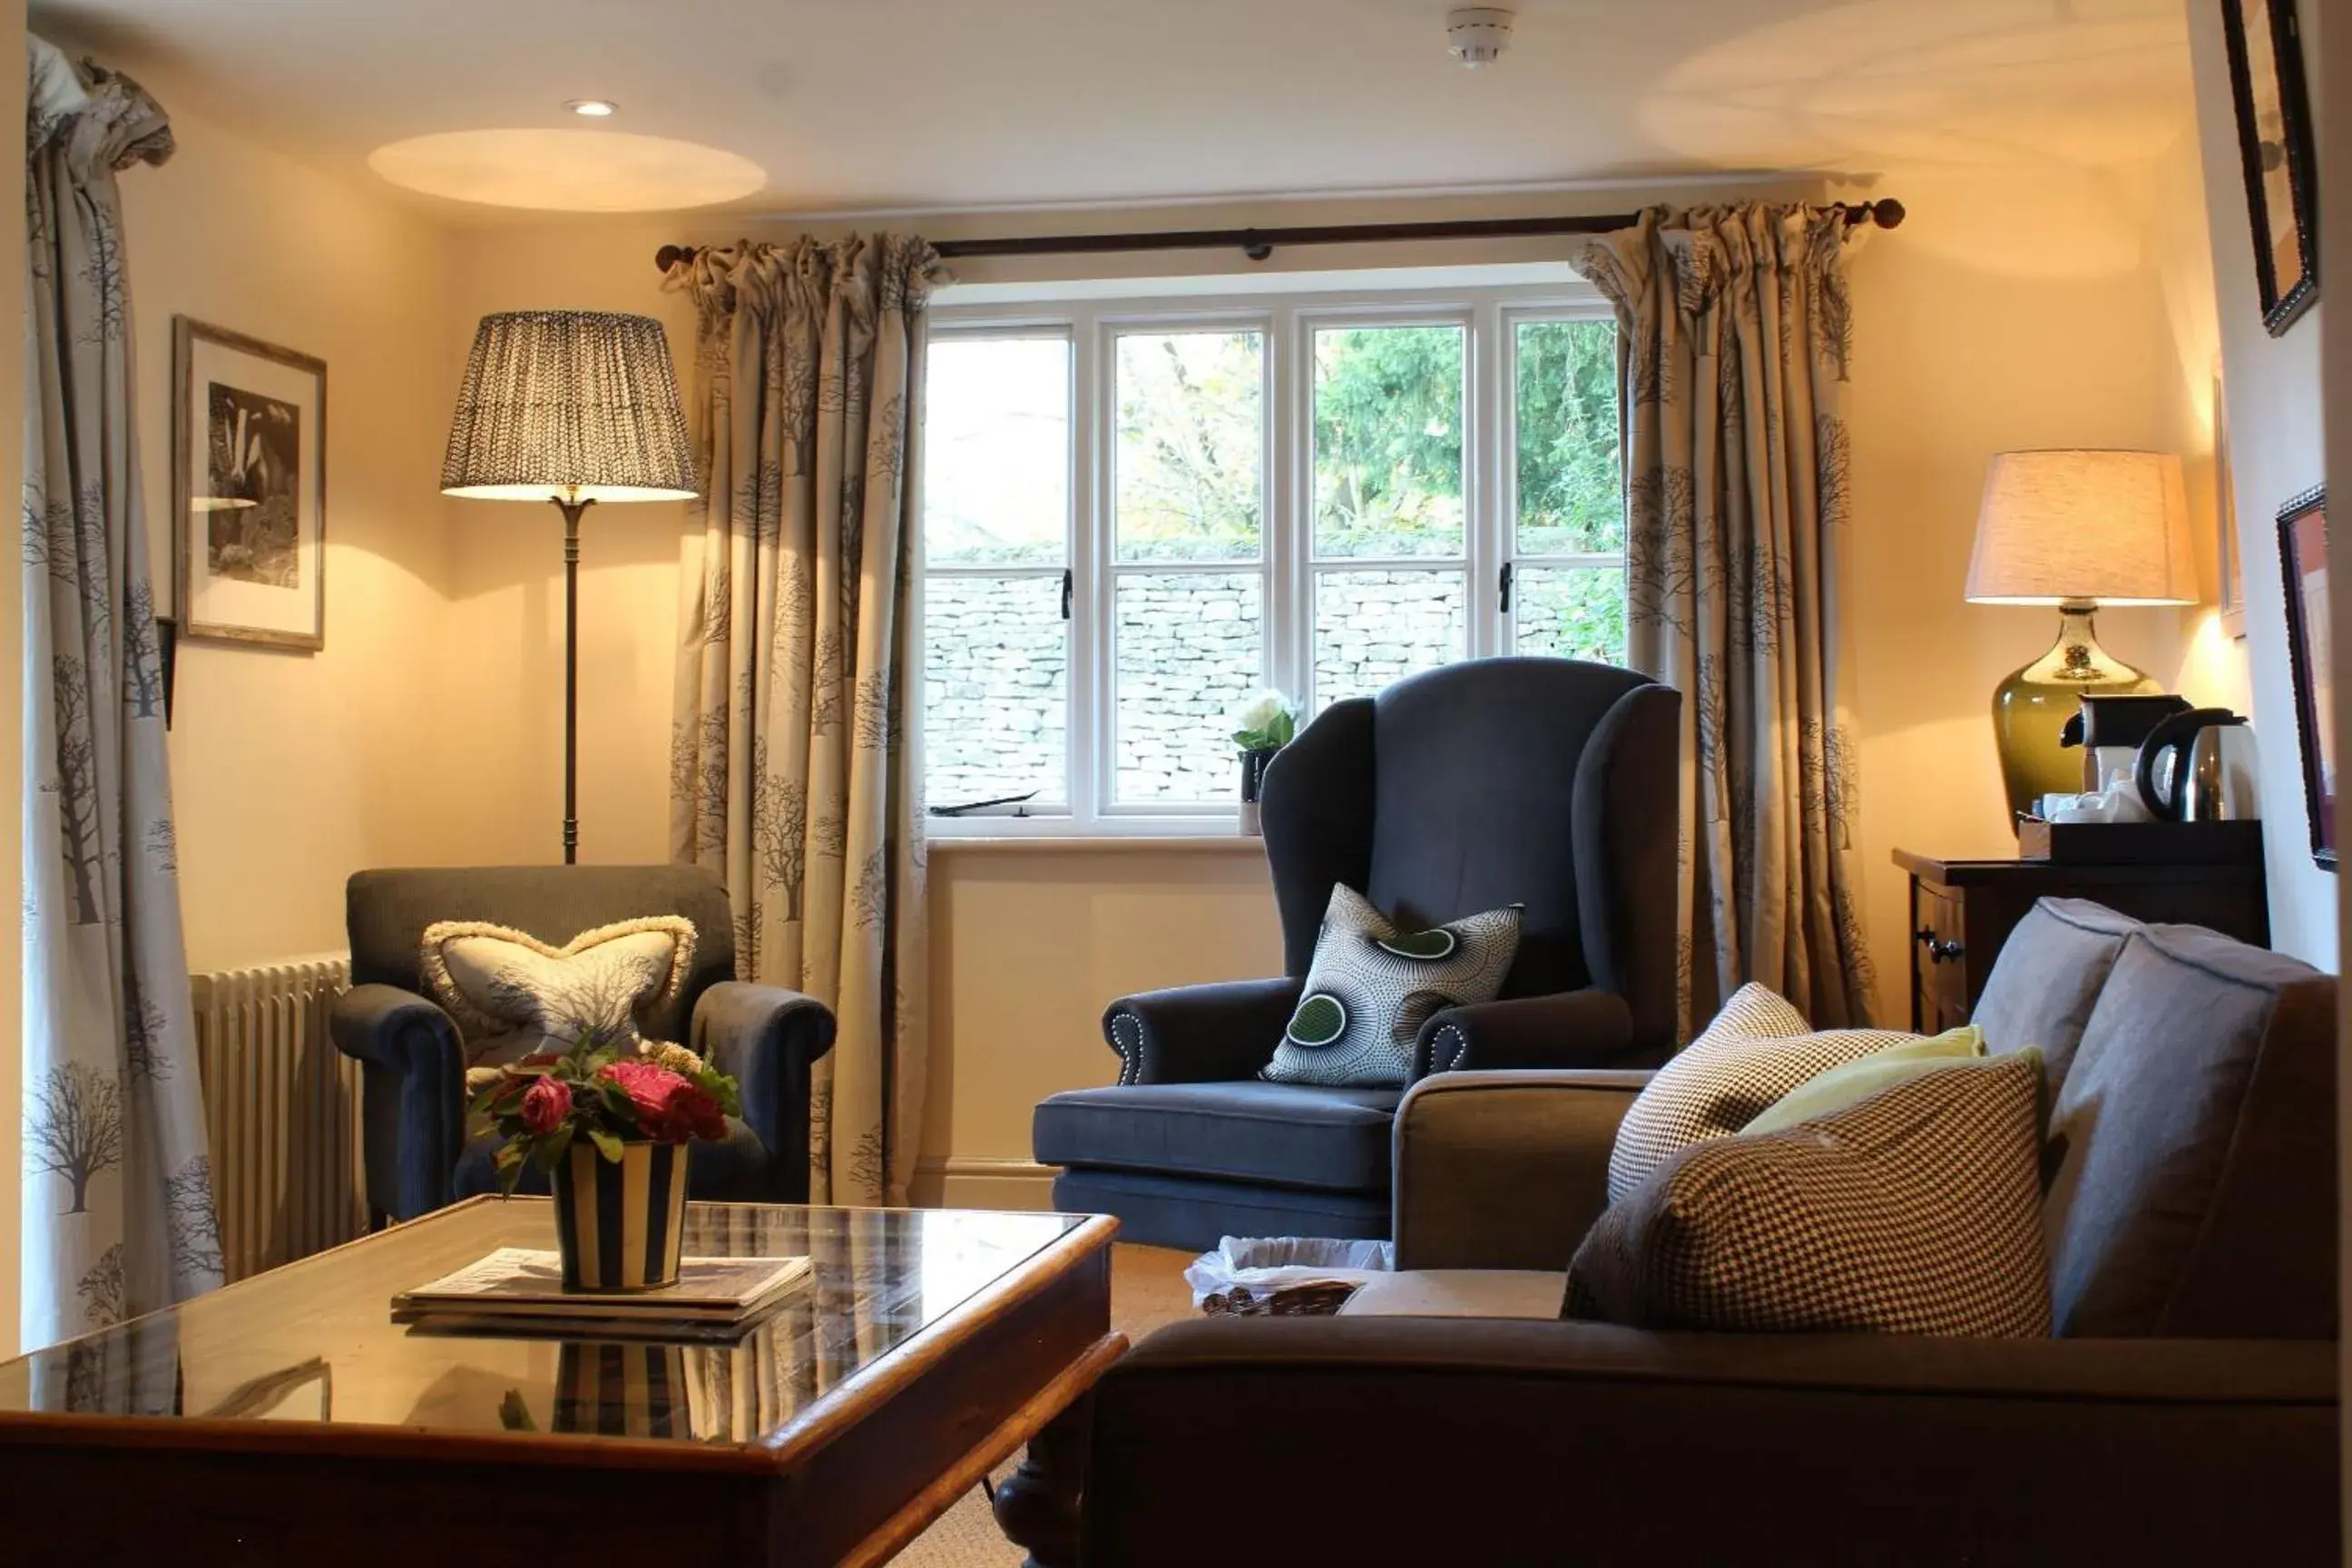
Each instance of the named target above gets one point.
<point>593,107</point>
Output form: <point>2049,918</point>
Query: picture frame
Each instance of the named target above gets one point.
<point>248,490</point>
<point>2230,566</point>
<point>2274,145</point>
<point>2303,564</point>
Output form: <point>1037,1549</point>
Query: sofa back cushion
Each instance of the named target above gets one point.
<point>2047,979</point>
<point>2195,1193</point>
<point>386,912</point>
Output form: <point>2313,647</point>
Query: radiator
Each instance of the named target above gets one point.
<point>282,1112</point>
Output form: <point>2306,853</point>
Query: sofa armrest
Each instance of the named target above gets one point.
<point>1593,1442</point>
<point>1200,1034</point>
<point>1568,1029</point>
<point>1504,1170</point>
<point>766,1038</point>
<point>412,1095</point>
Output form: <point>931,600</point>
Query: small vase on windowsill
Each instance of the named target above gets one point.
<point>1263,725</point>
<point>1254,763</point>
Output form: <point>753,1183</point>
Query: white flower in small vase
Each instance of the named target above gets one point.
<point>1263,725</point>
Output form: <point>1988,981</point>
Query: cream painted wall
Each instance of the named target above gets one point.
<point>291,769</point>
<point>1029,942</point>
<point>2014,308</point>
<point>2272,389</point>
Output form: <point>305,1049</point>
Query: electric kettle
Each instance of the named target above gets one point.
<point>2199,766</point>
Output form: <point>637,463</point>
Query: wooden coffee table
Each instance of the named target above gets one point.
<point>288,1419</point>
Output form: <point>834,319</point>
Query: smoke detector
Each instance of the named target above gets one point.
<point>1477,34</point>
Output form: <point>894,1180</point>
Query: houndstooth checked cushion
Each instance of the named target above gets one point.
<point>1756,1050</point>
<point>1372,987</point>
<point>1917,1211</point>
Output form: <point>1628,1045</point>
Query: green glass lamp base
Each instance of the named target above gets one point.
<point>2033,705</point>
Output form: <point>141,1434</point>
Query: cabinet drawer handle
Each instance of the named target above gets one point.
<point>1937,951</point>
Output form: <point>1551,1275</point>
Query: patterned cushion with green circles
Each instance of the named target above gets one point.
<point>1372,987</point>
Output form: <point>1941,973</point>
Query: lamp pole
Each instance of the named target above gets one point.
<point>572,507</point>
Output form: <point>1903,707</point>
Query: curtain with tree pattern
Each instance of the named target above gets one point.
<point>118,1203</point>
<point>1735,333</point>
<point>790,773</point>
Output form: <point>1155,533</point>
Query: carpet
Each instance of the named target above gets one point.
<point>1147,1291</point>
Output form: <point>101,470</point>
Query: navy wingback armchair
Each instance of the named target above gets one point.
<point>1543,782</point>
<point>418,1155</point>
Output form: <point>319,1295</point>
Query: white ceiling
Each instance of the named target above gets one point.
<point>851,104</point>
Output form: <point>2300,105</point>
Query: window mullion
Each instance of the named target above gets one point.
<point>1290,505</point>
<point>1486,502</point>
<point>1089,602</point>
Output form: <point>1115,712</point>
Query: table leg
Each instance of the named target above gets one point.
<point>1037,1505</point>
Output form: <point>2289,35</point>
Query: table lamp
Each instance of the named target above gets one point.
<point>2077,529</point>
<point>573,407</point>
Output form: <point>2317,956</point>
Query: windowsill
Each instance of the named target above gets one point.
<point>1100,844</point>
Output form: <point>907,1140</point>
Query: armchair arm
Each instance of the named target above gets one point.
<point>1504,1170</point>
<point>1200,1034</point>
<point>2115,1451</point>
<point>766,1038</point>
<point>1568,1029</point>
<point>412,1095</point>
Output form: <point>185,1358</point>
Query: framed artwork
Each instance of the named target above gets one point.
<point>2273,115</point>
<point>2303,557</point>
<point>249,488</point>
<point>2230,567</point>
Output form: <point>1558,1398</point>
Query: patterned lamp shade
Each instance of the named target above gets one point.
<point>2107,526</point>
<point>576,404</point>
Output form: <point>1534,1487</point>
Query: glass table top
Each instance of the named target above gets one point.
<point>314,1342</point>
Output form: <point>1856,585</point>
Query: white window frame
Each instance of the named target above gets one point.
<point>1489,317</point>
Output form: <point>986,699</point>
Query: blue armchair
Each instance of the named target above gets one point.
<point>418,1155</point>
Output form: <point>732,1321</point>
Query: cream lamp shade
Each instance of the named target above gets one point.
<point>581,403</point>
<point>2080,524</point>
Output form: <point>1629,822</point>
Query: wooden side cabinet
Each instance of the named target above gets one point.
<point>1962,911</point>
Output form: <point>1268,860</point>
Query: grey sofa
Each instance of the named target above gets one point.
<point>2185,1412</point>
<point>1544,781</point>
<point>417,1151</point>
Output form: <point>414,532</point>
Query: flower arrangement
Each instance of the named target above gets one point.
<point>1265,722</point>
<point>545,1103</point>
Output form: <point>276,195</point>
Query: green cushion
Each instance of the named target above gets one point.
<point>1857,1080</point>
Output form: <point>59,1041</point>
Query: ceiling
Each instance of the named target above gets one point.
<point>862,104</point>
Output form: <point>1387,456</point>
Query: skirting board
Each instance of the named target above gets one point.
<point>961,1183</point>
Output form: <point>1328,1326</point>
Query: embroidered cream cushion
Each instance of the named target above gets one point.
<point>512,994</point>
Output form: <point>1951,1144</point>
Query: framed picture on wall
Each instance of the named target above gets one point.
<point>249,488</point>
<point>2303,557</point>
<point>2273,113</point>
<point>2230,567</point>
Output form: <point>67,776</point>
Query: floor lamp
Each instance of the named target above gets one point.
<point>573,407</point>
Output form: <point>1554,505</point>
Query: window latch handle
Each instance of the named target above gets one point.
<point>1067,585</point>
<point>1507,587</point>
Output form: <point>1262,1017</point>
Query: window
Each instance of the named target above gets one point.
<point>1136,514</point>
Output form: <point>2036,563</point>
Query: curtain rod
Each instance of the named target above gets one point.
<point>1257,244</point>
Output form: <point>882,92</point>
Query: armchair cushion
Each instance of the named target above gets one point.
<point>1756,1050</point>
<point>1568,1029</point>
<point>1917,1211</point>
<point>1373,985</point>
<point>1297,1135</point>
<point>2196,1189</point>
<point>2047,978</point>
<point>514,993</point>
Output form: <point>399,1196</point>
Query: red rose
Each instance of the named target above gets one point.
<point>670,1110</point>
<point>545,1105</point>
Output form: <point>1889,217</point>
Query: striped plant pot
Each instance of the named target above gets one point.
<point>618,1225</point>
<point>621,1390</point>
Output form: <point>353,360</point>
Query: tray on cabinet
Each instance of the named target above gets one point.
<point>2138,843</point>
